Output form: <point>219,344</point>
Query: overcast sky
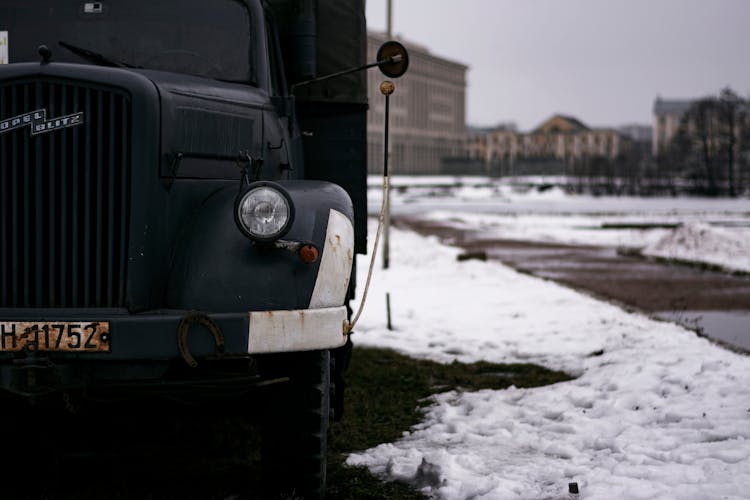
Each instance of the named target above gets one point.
<point>603,61</point>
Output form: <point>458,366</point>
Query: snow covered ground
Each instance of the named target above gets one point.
<point>701,242</point>
<point>706,230</point>
<point>655,410</point>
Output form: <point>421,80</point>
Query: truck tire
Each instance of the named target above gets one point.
<point>295,426</point>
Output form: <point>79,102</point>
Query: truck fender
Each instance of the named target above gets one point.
<point>217,268</point>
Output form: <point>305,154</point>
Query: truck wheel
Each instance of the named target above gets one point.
<point>295,426</point>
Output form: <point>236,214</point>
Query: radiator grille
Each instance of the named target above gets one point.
<point>64,197</point>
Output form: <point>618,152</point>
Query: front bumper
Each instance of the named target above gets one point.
<point>157,351</point>
<point>158,335</point>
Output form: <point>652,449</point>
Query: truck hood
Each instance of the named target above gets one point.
<point>208,124</point>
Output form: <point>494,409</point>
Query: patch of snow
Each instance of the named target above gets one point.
<point>527,196</point>
<point>655,410</point>
<point>714,230</point>
<point>571,229</point>
<point>700,242</point>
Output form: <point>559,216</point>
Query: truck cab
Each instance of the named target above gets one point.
<point>172,217</point>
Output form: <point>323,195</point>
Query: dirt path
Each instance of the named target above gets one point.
<point>631,281</point>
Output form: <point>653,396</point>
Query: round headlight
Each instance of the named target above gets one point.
<point>265,212</point>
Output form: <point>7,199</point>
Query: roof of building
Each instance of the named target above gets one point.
<point>637,132</point>
<point>500,127</point>
<point>561,123</point>
<point>671,106</point>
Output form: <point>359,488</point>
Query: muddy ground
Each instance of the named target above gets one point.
<point>632,281</point>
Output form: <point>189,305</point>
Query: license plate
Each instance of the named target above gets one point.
<point>56,336</point>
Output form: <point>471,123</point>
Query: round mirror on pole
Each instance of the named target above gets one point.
<point>395,59</point>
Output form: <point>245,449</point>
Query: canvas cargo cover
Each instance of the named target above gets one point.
<point>341,43</point>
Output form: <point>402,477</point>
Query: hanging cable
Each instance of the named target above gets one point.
<point>386,88</point>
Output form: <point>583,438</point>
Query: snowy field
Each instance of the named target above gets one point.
<point>655,410</point>
<point>706,230</point>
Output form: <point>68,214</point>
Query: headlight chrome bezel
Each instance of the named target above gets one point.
<point>248,192</point>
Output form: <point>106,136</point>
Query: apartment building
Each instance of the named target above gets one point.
<point>427,111</point>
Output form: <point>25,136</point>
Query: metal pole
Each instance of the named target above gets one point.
<point>388,309</point>
<point>388,151</point>
<point>390,20</point>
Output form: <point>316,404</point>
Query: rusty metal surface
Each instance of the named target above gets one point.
<point>55,336</point>
<point>199,318</point>
<point>297,330</point>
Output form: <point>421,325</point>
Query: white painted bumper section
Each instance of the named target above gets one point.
<point>335,264</point>
<point>299,330</point>
<point>321,326</point>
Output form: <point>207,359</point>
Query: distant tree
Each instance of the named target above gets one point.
<point>712,144</point>
<point>702,114</point>
<point>744,148</point>
<point>731,110</point>
<point>692,147</point>
<point>681,160</point>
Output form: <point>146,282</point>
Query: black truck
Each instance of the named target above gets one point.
<point>176,224</point>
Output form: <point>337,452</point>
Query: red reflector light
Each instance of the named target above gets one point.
<point>308,254</point>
